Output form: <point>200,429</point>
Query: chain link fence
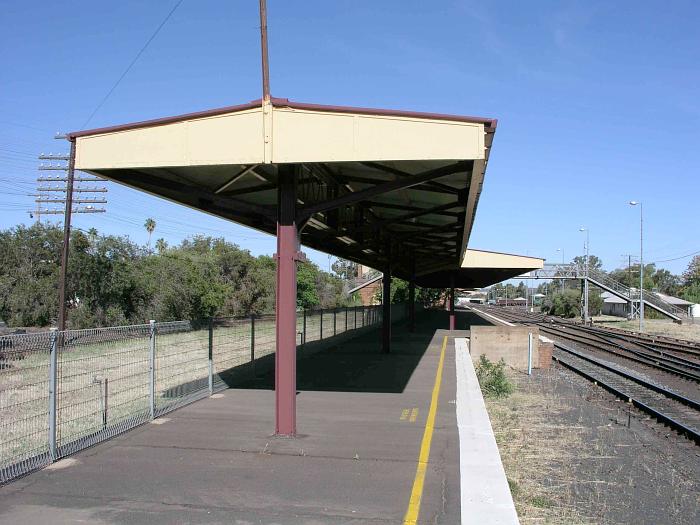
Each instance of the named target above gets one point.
<point>61,392</point>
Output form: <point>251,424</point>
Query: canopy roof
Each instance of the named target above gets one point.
<point>482,268</point>
<point>373,186</point>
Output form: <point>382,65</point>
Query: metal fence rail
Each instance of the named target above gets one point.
<point>61,392</point>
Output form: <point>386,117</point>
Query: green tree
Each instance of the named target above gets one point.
<point>112,281</point>
<point>593,260</point>
<point>161,246</point>
<point>344,269</point>
<point>690,290</point>
<point>307,294</point>
<point>150,226</point>
<point>569,303</point>
<point>692,273</point>
<point>564,304</point>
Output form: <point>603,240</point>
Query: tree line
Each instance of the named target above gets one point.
<point>114,281</point>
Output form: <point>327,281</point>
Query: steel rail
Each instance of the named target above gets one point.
<point>650,348</point>
<point>647,384</point>
<point>690,432</point>
<point>642,359</point>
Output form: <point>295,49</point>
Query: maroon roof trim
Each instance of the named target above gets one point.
<point>165,120</point>
<point>284,102</point>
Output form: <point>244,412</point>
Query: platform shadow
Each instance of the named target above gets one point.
<point>358,364</point>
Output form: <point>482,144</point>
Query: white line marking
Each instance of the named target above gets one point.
<point>480,312</point>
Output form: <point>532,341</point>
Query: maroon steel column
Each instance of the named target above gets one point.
<point>285,305</point>
<point>452,302</point>
<point>412,297</point>
<point>386,310</point>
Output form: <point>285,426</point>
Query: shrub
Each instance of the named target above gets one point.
<point>492,378</point>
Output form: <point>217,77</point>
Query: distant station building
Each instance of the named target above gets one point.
<point>619,307</point>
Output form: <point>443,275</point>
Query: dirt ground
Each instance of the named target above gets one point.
<point>571,458</point>
<point>689,331</point>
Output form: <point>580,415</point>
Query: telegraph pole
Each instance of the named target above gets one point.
<point>263,49</point>
<point>66,240</point>
<point>44,197</point>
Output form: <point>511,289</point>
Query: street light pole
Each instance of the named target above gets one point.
<point>562,263</point>
<point>585,281</point>
<point>641,263</point>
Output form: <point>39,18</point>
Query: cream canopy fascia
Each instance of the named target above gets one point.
<point>486,259</point>
<point>288,135</point>
<point>482,268</point>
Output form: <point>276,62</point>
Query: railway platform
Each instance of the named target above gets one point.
<point>378,442</point>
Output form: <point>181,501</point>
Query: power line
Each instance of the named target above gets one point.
<point>138,55</point>
<point>677,258</point>
<point>22,125</point>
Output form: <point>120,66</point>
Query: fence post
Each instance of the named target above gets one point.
<point>252,343</point>
<point>529,353</point>
<point>355,314</point>
<point>335,311</point>
<point>346,319</point>
<point>53,369</point>
<point>211,355</point>
<point>303,335</point>
<point>321,326</point>
<point>152,367</point>
<point>106,403</point>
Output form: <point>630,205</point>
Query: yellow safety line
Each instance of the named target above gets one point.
<point>411,517</point>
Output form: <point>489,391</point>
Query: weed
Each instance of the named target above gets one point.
<point>492,378</point>
<point>514,487</point>
<point>541,502</point>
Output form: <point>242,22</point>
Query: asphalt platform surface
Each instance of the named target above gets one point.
<point>361,416</point>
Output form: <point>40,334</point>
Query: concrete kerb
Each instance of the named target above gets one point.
<point>484,490</point>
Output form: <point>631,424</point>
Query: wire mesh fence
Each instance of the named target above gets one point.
<point>61,392</point>
<point>24,398</point>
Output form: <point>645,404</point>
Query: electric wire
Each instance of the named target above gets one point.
<point>133,62</point>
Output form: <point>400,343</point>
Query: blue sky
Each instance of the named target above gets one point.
<point>597,102</point>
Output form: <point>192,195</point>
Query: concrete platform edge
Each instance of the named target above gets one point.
<point>484,491</point>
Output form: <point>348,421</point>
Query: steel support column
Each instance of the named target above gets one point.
<point>452,302</point>
<point>386,310</point>
<point>285,305</point>
<point>412,297</point>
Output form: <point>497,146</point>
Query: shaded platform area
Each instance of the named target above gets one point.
<point>362,417</point>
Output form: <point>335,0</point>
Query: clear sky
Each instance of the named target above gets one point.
<point>598,102</point>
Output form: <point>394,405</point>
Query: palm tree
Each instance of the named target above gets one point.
<point>150,226</point>
<point>161,246</point>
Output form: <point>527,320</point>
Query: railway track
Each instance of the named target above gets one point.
<point>678,411</point>
<point>662,346</point>
<point>684,368</point>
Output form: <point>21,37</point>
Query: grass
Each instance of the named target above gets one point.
<point>571,459</point>
<point>666,327</point>
<point>120,357</point>
<point>536,454</point>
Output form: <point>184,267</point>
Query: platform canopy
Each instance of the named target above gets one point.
<point>379,187</point>
<point>482,268</point>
